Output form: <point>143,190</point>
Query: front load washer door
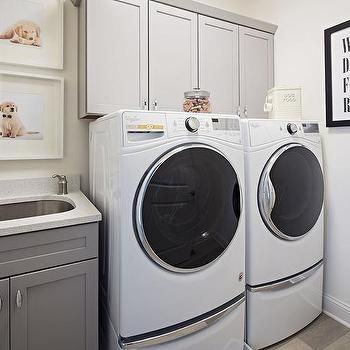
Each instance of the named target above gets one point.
<point>290,192</point>
<point>187,208</point>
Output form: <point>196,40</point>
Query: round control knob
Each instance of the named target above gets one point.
<point>192,124</point>
<point>292,128</point>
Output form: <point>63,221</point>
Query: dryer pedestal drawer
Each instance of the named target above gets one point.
<point>276,313</point>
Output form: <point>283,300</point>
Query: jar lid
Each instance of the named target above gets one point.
<point>197,93</point>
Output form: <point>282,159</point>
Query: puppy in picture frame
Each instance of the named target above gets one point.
<point>25,33</point>
<point>10,124</point>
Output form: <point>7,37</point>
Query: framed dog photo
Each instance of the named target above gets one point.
<point>31,33</point>
<point>337,60</point>
<point>31,116</point>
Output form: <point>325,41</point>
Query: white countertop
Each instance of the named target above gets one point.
<point>23,190</point>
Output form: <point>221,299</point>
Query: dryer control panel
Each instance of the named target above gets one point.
<point>266,131</point>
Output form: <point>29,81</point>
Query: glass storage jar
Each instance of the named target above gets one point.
<point>197,101</point>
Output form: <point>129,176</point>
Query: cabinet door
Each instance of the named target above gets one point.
<point>218,63</point>
<point>172,55</point>
<point>256,70</point>
<point>116,55</point>
<point>56,308</point>
<point>4,315</point>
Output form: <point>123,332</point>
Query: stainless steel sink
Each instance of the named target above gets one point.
<point>20,210</point>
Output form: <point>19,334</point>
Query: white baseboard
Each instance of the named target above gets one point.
<point>336,309</point>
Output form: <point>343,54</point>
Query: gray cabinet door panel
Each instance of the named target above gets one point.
<point>173,55</point>
<point>218,63</point>
<point>256,70</point>
<point>38,250</point>
<point>55,309</point>
<point>4,315</point>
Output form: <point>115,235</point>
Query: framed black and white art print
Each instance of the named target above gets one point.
<point>337,61</point>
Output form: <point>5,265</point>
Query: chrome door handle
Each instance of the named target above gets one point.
<point>269,195</point>
<point>272,194</point>
<point>245,111</point>
<point>238,111</point>
<point>19,299</point>
<point>145,105</point>
<point>155,105</point>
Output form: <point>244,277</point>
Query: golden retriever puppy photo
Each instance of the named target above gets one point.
<point>25,33</point>
<point>11,124</point>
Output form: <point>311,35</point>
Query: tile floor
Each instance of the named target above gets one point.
<point>323,334</point>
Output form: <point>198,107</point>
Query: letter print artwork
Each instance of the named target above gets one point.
<point>337,60</point>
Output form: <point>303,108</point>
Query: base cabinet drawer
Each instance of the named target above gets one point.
<point>48,248</point>
<point>55,308</point>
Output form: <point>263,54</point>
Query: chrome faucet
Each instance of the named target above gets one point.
<point>62,184</point>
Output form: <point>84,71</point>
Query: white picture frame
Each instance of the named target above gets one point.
<point>35,103</point>
<point>31,33</point>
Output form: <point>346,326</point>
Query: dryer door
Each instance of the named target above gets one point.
<point>188,207</point>
<point>290,192</point>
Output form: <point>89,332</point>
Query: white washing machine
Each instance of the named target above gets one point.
<point>170,188</point>
<point>284,228</point>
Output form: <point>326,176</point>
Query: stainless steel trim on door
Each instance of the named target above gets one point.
<point>139,205</point>
<point>179,333</point>
<point>267,195</point>
<point>287,283</point>
<point>1,302</point>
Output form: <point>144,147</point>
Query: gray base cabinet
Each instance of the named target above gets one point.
<point>55,307</point>
<point>4,314</point>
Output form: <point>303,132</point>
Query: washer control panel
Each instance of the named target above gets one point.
<point>223,127</point>
<point>144,126</point>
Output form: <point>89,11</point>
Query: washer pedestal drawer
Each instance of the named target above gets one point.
<point>225,334</point>
<point>278,312</point>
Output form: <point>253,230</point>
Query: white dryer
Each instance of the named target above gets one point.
<point>284,228</point>
<point>170,188</point>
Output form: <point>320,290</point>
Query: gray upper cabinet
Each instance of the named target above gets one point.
<point>4,315</point>
<point>256,70</point>
<point>113,56</point>
<point>55,309</point>
<point>173,51</point>
<point>218,63</point>
<point>144,54</point>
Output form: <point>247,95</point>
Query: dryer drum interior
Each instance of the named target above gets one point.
<point>291,191</point>
<point>188,207</point>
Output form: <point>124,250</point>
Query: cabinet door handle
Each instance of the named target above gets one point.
<point>238,111</point>
<point>19,299</point>
<point>245,111</point>
<point>1,302</point>
<point>145,105</point>
<point>155,105</point>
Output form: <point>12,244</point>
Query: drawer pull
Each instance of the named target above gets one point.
<point>19,299</point>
